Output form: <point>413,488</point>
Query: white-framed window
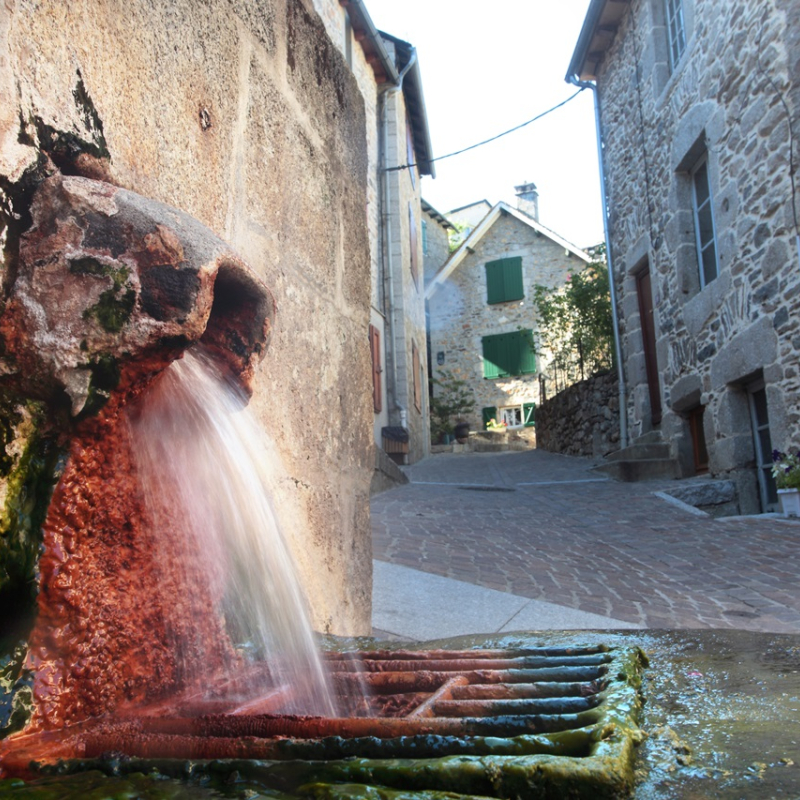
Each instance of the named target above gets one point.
<point>705,233</point>
<point>676,31</point>
<point>511,416</point>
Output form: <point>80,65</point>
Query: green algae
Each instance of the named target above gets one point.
<point>115,305</point>
<point>29,477</point>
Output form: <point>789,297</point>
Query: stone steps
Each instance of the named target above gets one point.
<point>647,459</point>
<point>643,469</point>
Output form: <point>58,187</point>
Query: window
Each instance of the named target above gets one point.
<point>412,170</point>
<point>375,350</point>
<point>704,222</point>
<point>504,280</point>
<point>348,39</point>
<point>676,31</point>
<point>412,243</point>
<point>507,354</point>
<point>415,377</point>
<point>762,444</point>
<point>424,237</point>
<point>513,416</point>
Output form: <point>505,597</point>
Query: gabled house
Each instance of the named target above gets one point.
<point>482,322</point>
<point>697,109</point>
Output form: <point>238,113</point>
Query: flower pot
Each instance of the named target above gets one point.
<point>462,432</point>
<point>790,502</point>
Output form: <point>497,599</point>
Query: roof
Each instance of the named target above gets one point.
<point>471,205</point>
<point>387,72</point>
<point>471,242</point>
<point>432,212</point>
<point>415,104</point>
<point>366,34</point>
<point>597,34</point>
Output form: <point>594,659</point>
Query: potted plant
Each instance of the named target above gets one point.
<point>786,471</point>
<point>452,398</point>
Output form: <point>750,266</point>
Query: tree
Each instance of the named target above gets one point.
<point>452,399</point>
<point>575,322</point>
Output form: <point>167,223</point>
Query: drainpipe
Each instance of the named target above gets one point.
<point>623,410</point>
<point>386,221</point>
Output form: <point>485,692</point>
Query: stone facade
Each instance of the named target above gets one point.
<point>247,117</point>
<point>406,353</point>
<point>725,106</point>
<point>582,420</point>
<point>435,241</point>
<point>460,316</point>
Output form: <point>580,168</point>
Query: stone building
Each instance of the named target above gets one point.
<point>482,322</point>
<point>246,116</point>
<point>399,149</point>
<point>698,105</point>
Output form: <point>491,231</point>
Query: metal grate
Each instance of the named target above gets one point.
<point>533,723</point>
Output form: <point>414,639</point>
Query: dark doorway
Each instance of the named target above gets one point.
<point>645,294</point>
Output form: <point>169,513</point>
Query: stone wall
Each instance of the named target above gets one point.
<point>583,420</point>
<point>460,316</point>
<point>244,115</point>
<point>728,98</point>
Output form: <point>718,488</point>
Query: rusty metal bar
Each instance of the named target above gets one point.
<point>429,681</point>
<point>465,664</point>
<point>444,692</point>
<point>453,655</point>
<point>505,691</point>
<point>496,708</point>
<point>266,726</point>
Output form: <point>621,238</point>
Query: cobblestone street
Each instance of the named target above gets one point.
<point>544,526</point>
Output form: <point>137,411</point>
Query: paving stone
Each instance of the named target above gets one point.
<point>607,548</point>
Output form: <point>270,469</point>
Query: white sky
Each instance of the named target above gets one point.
<point>487,67</point>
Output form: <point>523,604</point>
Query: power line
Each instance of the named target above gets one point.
<point>494,138</point>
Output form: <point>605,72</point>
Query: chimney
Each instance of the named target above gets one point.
<point>528,199</point>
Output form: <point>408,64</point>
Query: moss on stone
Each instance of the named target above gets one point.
<point>112,310</point>
<point>29,477</point>
<point>114,306</point>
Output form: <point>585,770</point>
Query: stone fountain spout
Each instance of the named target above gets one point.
<point>107,290</point>
<point>110,287</point>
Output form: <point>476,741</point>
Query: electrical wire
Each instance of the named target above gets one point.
<point>494,138</point>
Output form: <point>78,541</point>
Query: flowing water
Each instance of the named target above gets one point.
<point>204,468</point>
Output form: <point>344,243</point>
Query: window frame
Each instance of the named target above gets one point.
<point>675,22</point>
<point>698,208</point>
<point>413,243</point>
<point>416,378</point>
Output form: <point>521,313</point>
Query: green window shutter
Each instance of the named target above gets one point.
<point>527,360</point>
<point>490,412</point>
<point>504,280</point>
<point>507,354</point>
<point>490,357</point>
<point>529,414</point>
<point>512,278</point>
